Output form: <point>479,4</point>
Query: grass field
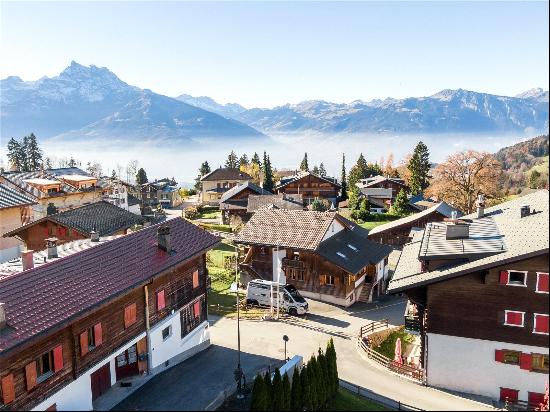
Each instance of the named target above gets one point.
<point>387,348</point>
<point>349,401</point>
<point>371,225</point>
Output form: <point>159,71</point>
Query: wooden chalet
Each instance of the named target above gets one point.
<point>325,256</point>
<point>310,187</point>
<point>234,203</point>
<point>381,191</point>
<point>101,218</point>
<point>219,181</point>
<point>76,325</point>
<point>400,231</point>
<point>478,292</point>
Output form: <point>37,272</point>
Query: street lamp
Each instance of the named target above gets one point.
<point>238,372</point>
<point>285,338</point>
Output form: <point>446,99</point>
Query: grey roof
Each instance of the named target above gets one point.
<point>441,208</point>
<point>524,237</point>
<point>300,175</point>
<point>280,201</point>
<point>239,188</point>
<point>10,198</point>
<point>380,179</point>
<point>351,251</point>
<point>226,174</point>
<point>379,192</point>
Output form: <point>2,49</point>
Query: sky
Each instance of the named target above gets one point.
<point>263,54</point>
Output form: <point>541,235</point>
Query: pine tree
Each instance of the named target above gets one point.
<point>72,162</point>
<point>303,165</point>
<point>232,161</point>
<point>399,207</point>
<point>203,170</point>
<point>243,161</point>
<point>315,170</point>
<point>419,167</point>
<point>33,153</point>
<point>325,382</point>
<point>286,394</point>
<point>268,391</point>
<point>306,388</point>
<point>277,398</point>
<point>296,391</point>
<point>313,385</point>
<point>141,176</point>
<point>343,180</point>
<point>322,170</point>
<point>259,395</point>
<point>16,156</point>
<point>256,160</point>
<point>358,171</point>
<point>48,163</point>
<point>333,366</point>
<point>268,174</point>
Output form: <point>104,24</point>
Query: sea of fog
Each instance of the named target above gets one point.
<point>181,160</point>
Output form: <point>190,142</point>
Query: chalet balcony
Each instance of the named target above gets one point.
<point>293,264</point>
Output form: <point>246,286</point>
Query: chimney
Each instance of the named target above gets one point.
<point>525,210</point>
<point>27,258</point>
<point>480,206</point>
<point>51,243</point>
<point>163,238</point>
<point>94,236</point>
<point>457,229</point>
<point>2,316</point>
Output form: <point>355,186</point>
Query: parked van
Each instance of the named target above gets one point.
<point>258,292</point>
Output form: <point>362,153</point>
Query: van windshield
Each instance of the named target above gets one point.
<point>295,294</point>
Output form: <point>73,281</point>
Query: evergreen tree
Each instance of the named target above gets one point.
<point>277,395</point>
<point>259,395</point>
<point>313,385</point>
<point>72,162</point>
<point>325,382</point>
<point>315,170</point>
<point>203,170</point>
<point>16,156</point>
<point>232,161</point>
<point>419,167</point>
<point>358,171</point>
<point>296,391</point>
<point>268,391</point>
<point>141,176</point>
<point>268,174</point>
<point>303,165</point>
<point>373,169</point>
<point>243,161</point>
<point>343,181</point>
<point>399,207</point>
<point>48,163</point>
<point>318,206</point>
<point>256,159</point>
<point>333,367</point>
<point>322,170</point>
<point>306,388</point>
<point>33,154</point>
<point>286,393</point>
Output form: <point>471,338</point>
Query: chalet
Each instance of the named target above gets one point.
<point>101,218</point>
<point>381,191</point>
<point>478,287</point>
<point>282,201</point>
<point>324,255</point>
<point>399,232</point>
<point>234,202</point>
<point>310,186</point>
<point>219,181</point>
<point>55,189</point>
<point>118,192</point>
<point>15,210</point>
<point>75,326</point>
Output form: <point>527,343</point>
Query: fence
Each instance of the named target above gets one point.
<point>372,327</point>
<point>380,399</point>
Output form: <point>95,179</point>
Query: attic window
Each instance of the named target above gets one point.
<point>352,247</point>
<point>341,255</point>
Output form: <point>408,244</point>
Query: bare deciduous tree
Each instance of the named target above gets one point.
<point>464,176</point>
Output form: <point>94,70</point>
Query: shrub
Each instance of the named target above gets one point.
<point>268,390</point>
<point>259,395</point>
<point>296,391</point>
<point>286,394</point>
<point>277,395</point>
<point>191,212</point>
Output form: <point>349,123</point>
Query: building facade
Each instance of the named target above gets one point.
<point>219,181</point>
<point>310,187</point>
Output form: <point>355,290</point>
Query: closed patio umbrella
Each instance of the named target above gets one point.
<point>397,357</point>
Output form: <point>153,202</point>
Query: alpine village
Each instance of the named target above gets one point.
<point>430,279</point>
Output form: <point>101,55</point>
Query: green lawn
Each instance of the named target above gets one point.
<point>387,348</point>
<point>371,225</point>
<point>349,401</point>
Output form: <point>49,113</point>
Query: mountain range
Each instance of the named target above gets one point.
<point>92,102</point>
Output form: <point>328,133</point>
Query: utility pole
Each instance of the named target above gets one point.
<point>238,371</point>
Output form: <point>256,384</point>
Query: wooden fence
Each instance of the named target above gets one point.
<point>375,397</point>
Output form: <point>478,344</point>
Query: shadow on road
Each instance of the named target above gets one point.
<point>325,320</point>
<point>386,307</point>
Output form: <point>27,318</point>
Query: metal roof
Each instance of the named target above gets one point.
<point>11,198</point>
<point>226,173</point>
<point>280,201</point>
<point>239,188</point>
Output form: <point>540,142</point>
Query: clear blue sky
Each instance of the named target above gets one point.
<point>266,54</point>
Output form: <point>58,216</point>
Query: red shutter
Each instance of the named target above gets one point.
<point>84,343</point>
<point>542,283</point>
<point>161,304</point>
<point>525,361</point>
<point>57,358</point>
<point>541,323</point>
<point>535,399</point>
<point>499,355</point>
<point>195,279</point>
<point>197,309</point>
<point>129,315</point>
<point>8,390</point>
<point>514,318</point>
<point>30,375</point>
<point>510,394</point>
<point>503,279</point>
<point>98,334</point>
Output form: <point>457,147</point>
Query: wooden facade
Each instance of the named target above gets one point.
<point>311,187</point>
<point>234,210</point>
<point>114,324</point>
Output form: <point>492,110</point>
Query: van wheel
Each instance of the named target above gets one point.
<point>252,302</point>
<point>293,312</point>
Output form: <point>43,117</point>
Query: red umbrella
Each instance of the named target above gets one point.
<point>397,357</point>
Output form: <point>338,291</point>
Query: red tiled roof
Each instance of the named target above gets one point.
<point>46,297</point>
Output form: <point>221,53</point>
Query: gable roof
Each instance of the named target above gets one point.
<point>380,179</point>
<point>239,188</point>
<point>103,217</point>
<point>46,298</point>
<point>226,173</point>
<point>441,208</point>
<point>291,179</point>
<point>281,201</point>
<point>10,197</point>
<point>523,238</point>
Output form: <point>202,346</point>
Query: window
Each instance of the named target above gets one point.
<point>296,256</point>
<point>161,302</point>
<point>514,318</point>
<point>516,278</point>
<point>539,362</point>
<point>542,282</point>
<point>327,280</point>
<point>129,315</point>
<point>263,251</point>
<point>44,367</point>
<point>541,324</point>
<point>166,333</point>
<point>90,339</point>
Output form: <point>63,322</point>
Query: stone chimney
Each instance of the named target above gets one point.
<point>163,238</point>
<point>94,236</point>
<point>51,243</point>
<point>2,315</point>
<point>480,206</point>
<point>525,210</point>
<point>27,258</point>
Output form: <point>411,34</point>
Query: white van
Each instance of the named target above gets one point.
<point>258,292</point>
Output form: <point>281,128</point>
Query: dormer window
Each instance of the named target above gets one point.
<point>352,247</point>
<point>341,255</point>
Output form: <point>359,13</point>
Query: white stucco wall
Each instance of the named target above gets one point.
<point>468,365</point>
<point>278,265</point>
<point>334,228</point>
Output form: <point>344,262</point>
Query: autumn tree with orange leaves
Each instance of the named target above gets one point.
<point>463,177</point>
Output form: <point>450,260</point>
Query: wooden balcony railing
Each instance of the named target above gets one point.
<point>413,324</point>
<point>293,264</point>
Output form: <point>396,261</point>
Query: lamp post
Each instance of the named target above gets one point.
<point>238,372</point>
<point>285,338</point>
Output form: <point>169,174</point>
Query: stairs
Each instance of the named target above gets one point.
<point>365,292</point>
